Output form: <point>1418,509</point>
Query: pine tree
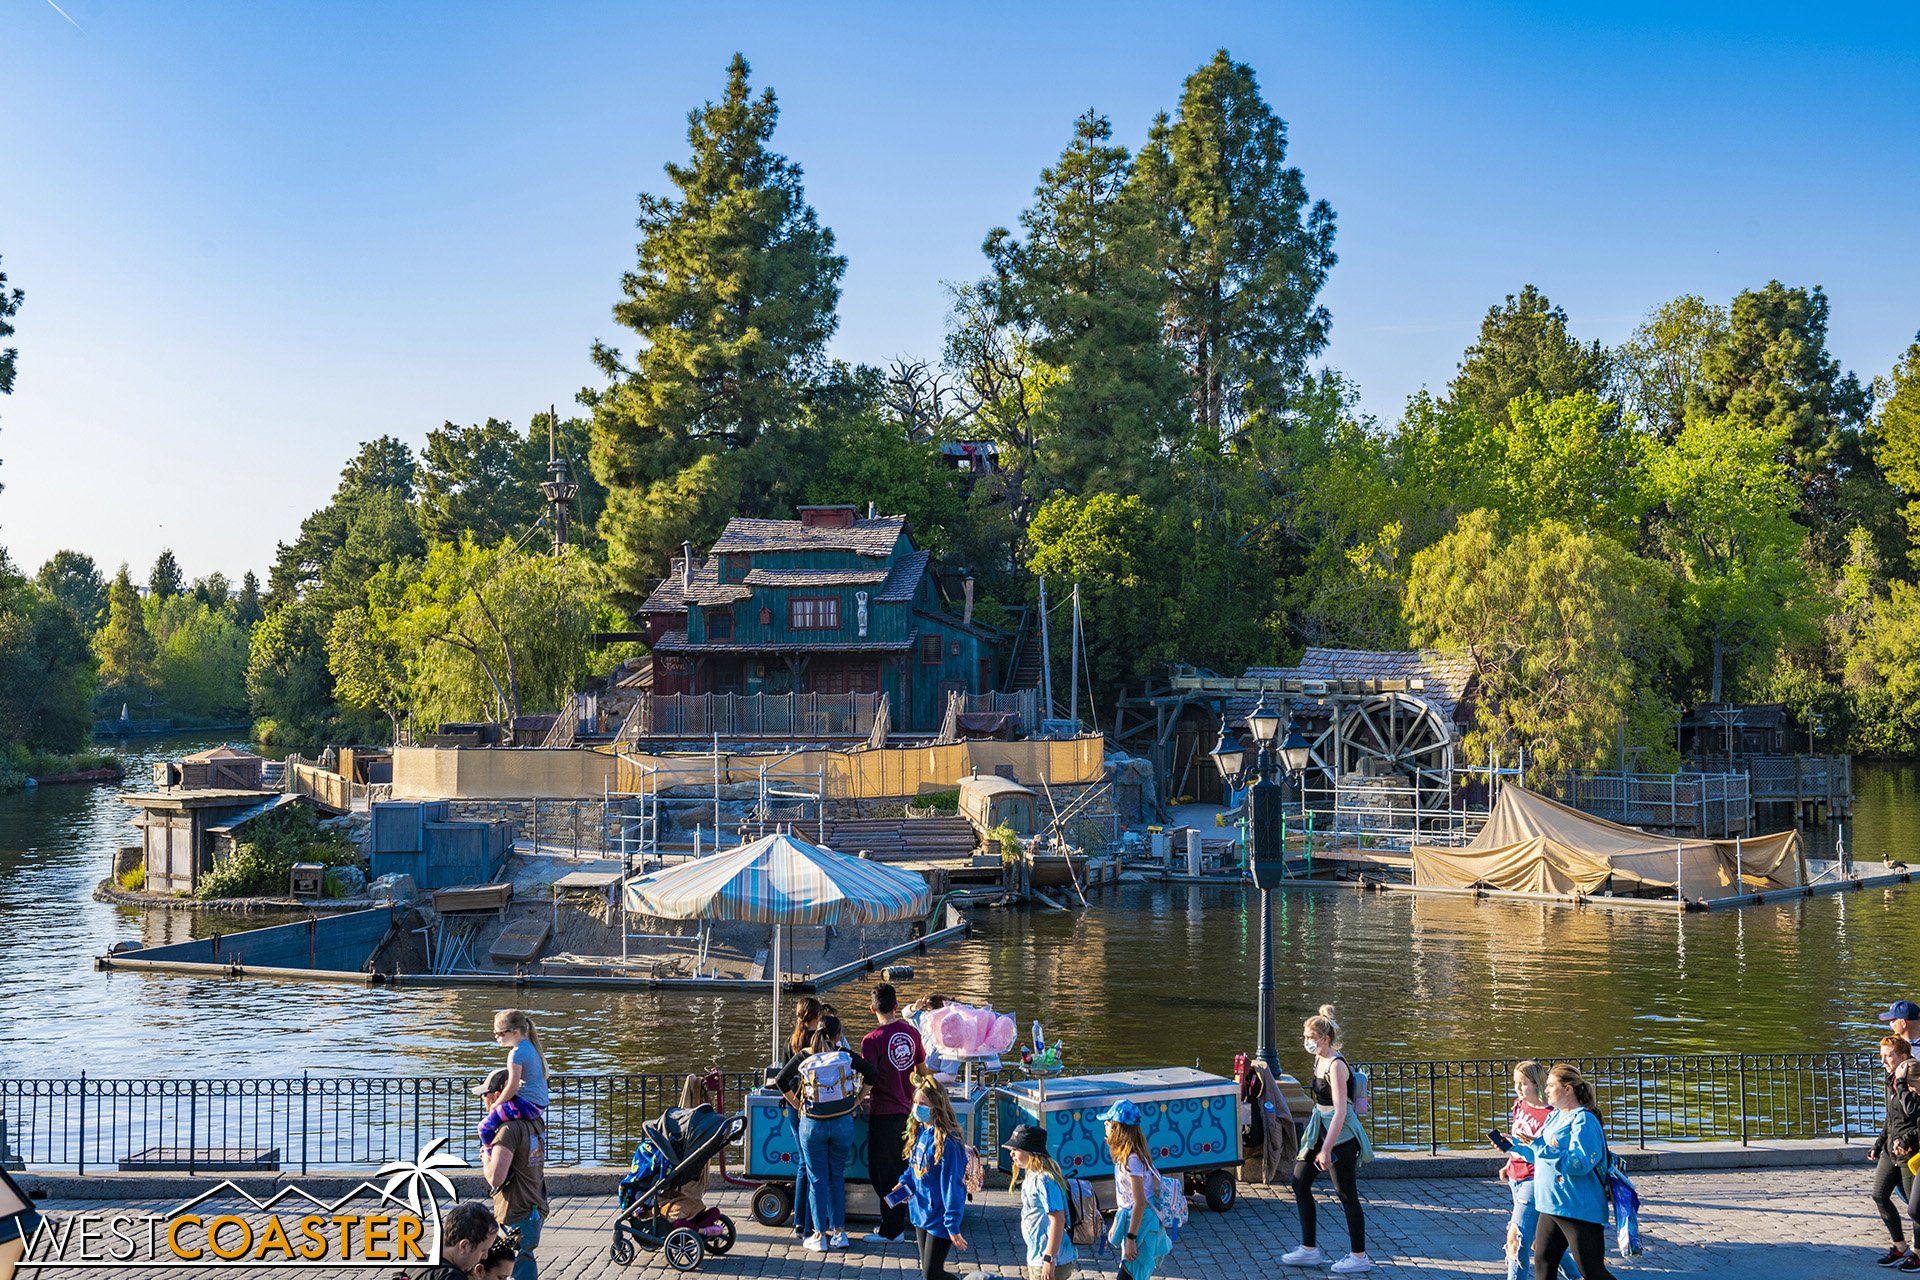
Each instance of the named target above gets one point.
<point>125,649</point>
<point>1524,346</point>
<point>1243,252</point>
<point>1083,280</point>
<point>9,356</point>
<point>165,580</point>
<point>733,299</point>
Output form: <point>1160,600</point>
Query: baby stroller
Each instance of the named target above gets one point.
<point>674,1149</point>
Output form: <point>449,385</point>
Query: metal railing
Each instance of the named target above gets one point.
<point>1707,805</point>
<point>1786,778</point>
<point>308,1122</point>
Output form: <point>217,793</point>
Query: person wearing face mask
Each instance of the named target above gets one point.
<point>934,1186</point>
<point>1335,1142</point>
<point>1568,1188</point>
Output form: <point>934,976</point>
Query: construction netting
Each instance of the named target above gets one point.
<point>1532,844</point>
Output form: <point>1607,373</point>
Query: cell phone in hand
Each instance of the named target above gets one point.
<point>897,1197</point>
<point>1499,1140</point>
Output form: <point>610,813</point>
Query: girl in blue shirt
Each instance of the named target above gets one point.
<point>1043,1205</point>
<point>1567,1159</point>
<point>935,1183</point>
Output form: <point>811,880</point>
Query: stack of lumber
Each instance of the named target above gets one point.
<point>904,839</point>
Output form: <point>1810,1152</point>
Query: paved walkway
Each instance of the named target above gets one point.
<point>1767,1224</point>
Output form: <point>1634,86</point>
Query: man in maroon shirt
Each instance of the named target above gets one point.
<point>894,1051</point>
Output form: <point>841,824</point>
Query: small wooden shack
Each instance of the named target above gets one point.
<point>221,768</point>
<point>990,802</point>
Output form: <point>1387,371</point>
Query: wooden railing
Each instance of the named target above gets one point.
<point>753,715</point>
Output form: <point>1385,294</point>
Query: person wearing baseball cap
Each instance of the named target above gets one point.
<point>1903,1016</point>
<point>1043,1205</point>
<point>515,1170</point>
<point>1137,1228</point>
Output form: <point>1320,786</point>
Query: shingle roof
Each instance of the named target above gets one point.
<point>671,597</point>
<point>904,581</point>
<point>1445,676</point>
<point>874,537</point>
<point>815,577</point>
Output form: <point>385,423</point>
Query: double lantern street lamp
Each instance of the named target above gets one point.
<point>1266,795</point>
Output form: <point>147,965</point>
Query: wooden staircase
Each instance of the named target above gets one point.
<point>903,839</point>
<point>1023,668</point>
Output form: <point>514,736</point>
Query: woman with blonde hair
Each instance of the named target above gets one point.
<point>1042,1187</point>
<point>1569,1160</point>
<point>1334,1141</point>
<point>1525,1118</point>
<point>934,1187</point>
<point>1136,1186</point>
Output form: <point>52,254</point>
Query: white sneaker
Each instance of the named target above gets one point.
<point>1352,1263</point>
<point>839,1240</point>
<point>1307,1255</point>
<point>817,1242</point>
<point>874,1237</point>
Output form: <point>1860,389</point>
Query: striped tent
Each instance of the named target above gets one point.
<point>780,880</point>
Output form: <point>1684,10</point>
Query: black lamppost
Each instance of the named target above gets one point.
<point>1265,798</point>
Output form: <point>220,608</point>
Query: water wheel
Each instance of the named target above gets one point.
<point>1397,738</point>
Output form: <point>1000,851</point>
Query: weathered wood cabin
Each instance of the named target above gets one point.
<point>828,603</point>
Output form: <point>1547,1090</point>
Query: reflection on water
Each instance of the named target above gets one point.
<point>1154,974</point>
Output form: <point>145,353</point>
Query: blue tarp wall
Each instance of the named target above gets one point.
<point>341,944</point>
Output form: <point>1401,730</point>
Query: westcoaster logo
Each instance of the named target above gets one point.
<point>372,1225</point>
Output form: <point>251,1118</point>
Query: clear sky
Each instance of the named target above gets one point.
<point>253,235</point>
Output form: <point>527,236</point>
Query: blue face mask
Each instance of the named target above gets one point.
<point>923,1113</point>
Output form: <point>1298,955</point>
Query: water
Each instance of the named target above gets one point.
<point>1153,975</point>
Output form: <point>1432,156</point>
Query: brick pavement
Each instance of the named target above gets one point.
<point>1778,1224</point>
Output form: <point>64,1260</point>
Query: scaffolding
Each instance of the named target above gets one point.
<point>639,821</point>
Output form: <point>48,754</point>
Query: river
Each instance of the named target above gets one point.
<point>1150,975</point>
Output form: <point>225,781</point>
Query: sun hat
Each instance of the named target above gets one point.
<point>1902,1009</point>
<point>494,1083</point>
<point>1030,1138</point>
<point>1125,1111</point>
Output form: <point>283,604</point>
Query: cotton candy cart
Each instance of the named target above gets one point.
<point>773,1155</point>
<point>1191,1121</point>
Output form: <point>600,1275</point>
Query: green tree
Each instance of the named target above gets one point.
<point>733,299</point>
<point>1896,432</point>
<point>1114,546</point>
<point>1242,252</point>
<point>214,591</point>
<point>382,470</point>
<point>1565,459</point>
<point>200,661</point>
<point>369,669</point>
<point>46,669</point>
<point>1566,631</point>
<point>165,579</point>
<point>247,606</point>
<point>124,647</point>
<point>290,692</point>
<point>1726,521</point>
<point>1083,281</point>
<point>1524,346</point>
<point>1661,368</point>
<point>74,580</point>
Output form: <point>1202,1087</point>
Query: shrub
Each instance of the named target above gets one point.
<point>133,879</point>
<point>263,863</point>
<point>944,801</point>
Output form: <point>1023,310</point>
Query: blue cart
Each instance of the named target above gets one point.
<point>773,1157</point>
<point>1191,1121</point>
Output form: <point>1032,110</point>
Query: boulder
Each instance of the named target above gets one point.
<point>352,880</point>
<point>395,888</point>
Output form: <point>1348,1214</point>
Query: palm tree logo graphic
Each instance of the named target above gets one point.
<point>421,1179</point>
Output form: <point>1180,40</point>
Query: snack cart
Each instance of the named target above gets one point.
<point>1191,1121</point>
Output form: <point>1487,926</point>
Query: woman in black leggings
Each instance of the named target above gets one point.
<point>1899,1138</point>
<point>1568,1159</point>
<point>1334,1142</point>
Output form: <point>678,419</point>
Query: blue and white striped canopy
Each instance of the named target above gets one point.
<point>780,879</point>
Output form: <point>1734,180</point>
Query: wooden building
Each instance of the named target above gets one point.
<point>829,603</point>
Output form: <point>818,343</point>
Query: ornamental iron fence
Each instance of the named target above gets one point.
<point>334,1122</point>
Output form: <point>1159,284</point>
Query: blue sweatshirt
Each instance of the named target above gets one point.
<point>939,1191</point>
<point>1565,1157</point>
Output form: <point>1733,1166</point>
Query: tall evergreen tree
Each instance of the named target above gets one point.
<point>733,300</point>
<point>124,646</point>
<point>1524,346</point>
<point>10,301</point>
<point>164,580</point>
<point>1083,280</point>
<point>1243,252</point>
<point>247,608</point>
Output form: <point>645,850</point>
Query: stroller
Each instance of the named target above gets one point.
<point>674,1149</point>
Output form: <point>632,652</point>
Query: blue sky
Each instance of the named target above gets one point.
<point>254,235</point>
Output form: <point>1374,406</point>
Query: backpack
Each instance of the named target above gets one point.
<point>1084,1215</point>
<point>1359,1089</point>
<point>1169,1197</point>
<point>829,1086</point>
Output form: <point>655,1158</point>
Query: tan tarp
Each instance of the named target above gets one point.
<point>1535,845</point>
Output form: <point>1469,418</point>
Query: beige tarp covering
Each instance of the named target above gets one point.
<point>1535,845</point>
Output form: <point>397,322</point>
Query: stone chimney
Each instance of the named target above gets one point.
<point>966,594</point>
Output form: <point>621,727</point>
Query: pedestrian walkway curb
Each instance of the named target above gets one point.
<point>1671,1158</point>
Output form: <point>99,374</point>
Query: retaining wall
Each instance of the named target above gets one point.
<point>340,944</point>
